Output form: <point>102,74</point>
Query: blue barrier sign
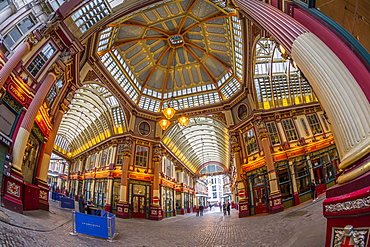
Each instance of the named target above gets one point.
<point>91,225</point>
<point>53,195</point>
<point>66,202</point>
<point>58,196</point>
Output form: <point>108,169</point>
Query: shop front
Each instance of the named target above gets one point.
<point>139,198</point>
<point>167,195</point>
<point>258,191</point>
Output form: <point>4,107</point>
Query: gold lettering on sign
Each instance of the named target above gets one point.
<point>17,93</point>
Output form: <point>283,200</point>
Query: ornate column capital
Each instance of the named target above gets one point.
<point>235,147</point>
<point>127,147</point>
<point>261,129</point>
<point>157,154</point>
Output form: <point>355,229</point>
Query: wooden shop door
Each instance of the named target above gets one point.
<point>138,207</point>
<point>260,199</point>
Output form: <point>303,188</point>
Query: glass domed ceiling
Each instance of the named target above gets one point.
<point>185,52</point>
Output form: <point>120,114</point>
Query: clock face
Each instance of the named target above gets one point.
<point>144,128</point>
<point>242,111</point>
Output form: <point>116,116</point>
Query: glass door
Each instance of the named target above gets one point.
<point>138,206</point>
<point>260,199</point>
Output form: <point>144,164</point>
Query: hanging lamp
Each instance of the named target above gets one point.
<point>183,121</point>
<point>164,123</point>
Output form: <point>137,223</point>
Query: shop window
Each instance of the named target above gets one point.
<point>41,59</point>
<point>302,176</point>
<point>92,161</point>
<point>120,154</point>
<point>331,167</point>
<point>100,192</point>
<point>17,32</point>
<point>250,142</point>
<point>274,135</point>
<point>116,191</point>
<point>169,170</point>
<point>289,129</point>
<point>138,189</point>
<point>283,175</point>
<point>104,157</point>
<point>87,188</point>
<point>141,156</point>
<point>313,121</point>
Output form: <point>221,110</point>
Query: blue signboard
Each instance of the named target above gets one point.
<point>66,202</point>
<point>91,225</point>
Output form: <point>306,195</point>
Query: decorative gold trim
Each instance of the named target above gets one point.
<point>353,158</point>
<point>354,174</point>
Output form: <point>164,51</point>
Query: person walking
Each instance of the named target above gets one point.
<point>220,205</point>
<point>228,208</point>
<point>81,204</point>
<point>90,205</point>
<point>313,190</point>
<point>224,207</point>
<point>201,209</point>
<point>196,209</point>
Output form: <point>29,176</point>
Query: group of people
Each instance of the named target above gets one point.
<point>84,206</point>
<point>226,207</point>
<point>199,210</point>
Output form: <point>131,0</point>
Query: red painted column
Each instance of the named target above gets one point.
<point>123,207</point>
<point>13,61</point>
<point>156,212</point>
<point>275,197</point>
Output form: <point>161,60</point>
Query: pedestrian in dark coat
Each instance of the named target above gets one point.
<point>313,190</point>
<point>82,204</point>
<point>228,208</point>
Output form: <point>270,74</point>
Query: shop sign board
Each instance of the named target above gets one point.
<point>7,118</point>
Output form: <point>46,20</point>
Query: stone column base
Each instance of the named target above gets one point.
<point>43,196</point>
<point>244,209</point>
<point>13,192</point>
<point>276,205</point>
<point>347,211</point>
<point>296,199</point>
<point>108,208</point>
<point>156,213</point>
<point>123,210</point>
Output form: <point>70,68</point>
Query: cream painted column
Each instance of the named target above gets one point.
<point>342,98</point>
<point>21,139</point>
<point>294,183</point>
<point>108,203</point>
<point>127,151</point>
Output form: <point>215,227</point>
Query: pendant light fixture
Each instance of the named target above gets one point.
<point>169,111</point>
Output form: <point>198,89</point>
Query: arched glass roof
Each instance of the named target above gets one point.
<point>188,50</point>
<point>94,115</point>
<point>204,140</point>
<point>277,80</point>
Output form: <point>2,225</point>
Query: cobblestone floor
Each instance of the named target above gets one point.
<point>302,226</point>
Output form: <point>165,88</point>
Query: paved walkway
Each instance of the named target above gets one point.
<point>302,226</point>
